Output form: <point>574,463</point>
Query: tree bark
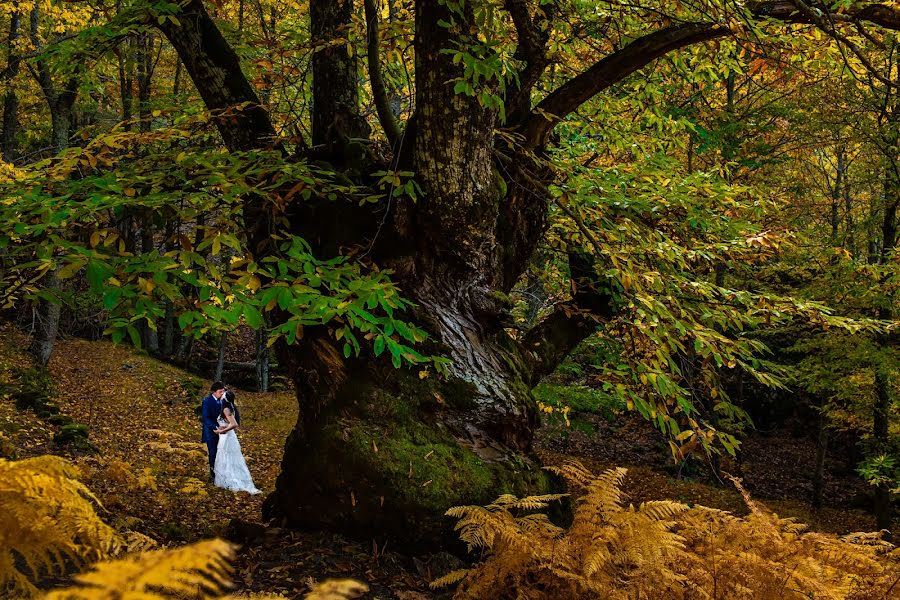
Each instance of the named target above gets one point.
<point>335,116</point>
<point>818,482</point>
<point>220,361</point>
<point>9,138</point>
<point>262,360</point>
<point>46,324</point>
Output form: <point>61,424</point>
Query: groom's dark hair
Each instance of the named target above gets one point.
<point>216,386</point>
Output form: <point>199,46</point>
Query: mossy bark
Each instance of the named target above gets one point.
<point>392,452</point>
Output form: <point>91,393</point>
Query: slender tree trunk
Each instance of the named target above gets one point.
<point>819,473</point>
<point>125,82</point>
<point>46,323</point>
<point>168,331</point>
<point>144,59</point>
<point>849,234</point>
<point>262,360</point>
<point>176,86</point>
<point>60,103</point>
<point>9,138</point>
<point>883,509</point>
<point>220,361</point>
<point>836,191</point>
<point>882,408</point>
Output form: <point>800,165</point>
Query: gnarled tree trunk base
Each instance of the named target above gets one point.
<point>391,457</point>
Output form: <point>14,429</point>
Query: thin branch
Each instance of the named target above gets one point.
<point>379,93</point>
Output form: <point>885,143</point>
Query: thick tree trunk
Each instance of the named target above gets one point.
<point>376,448</point>
<point>9,138</point>
<point>389,448</point>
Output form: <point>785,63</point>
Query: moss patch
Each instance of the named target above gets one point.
<point>386,465</point>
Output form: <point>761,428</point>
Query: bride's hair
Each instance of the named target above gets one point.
<point>229,402</point>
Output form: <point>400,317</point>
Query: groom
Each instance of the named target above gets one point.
<point>212,406</point>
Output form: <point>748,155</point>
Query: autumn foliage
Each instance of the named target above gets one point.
<point>660,549</point>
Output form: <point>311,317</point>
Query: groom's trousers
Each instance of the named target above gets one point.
<point>211,446</point>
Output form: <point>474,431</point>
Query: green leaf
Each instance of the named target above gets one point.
<point>253,317</point>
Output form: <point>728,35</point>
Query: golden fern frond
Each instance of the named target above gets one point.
<point>337,589</point>
<point>603,497</point>
<point>873,539</point>
<point>597,559</point>
<point>46,517</point>
<point>573,472</point>
<point>539,522</point>
<point>449,579</point>
<point>503,501</point>
<point>200,571</point>
<point>662,510</point>
<point>535,502</point>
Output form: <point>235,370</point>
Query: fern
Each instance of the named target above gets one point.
<point>46,519</point>
<point>661,549</point>
<point>337,589</point>
<point>201,571</point>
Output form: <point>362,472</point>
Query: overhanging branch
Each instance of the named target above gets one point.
<point>639,53</point>
<point>216,71</point>
<point>611,70</point>
<point>551,340</point>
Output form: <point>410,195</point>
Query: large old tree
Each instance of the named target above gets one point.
<point>377,448</point>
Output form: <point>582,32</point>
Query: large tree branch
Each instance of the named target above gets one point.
<point>790,12</point>
<point>382,104</point>
<point>531,50</point>
<point>611,70</point>
<point>551,340</point>
<point>216,72</point>
<point>636,55</point>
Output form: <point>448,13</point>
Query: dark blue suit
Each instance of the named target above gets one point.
<point>210,414</point>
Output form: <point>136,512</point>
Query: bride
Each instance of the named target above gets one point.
<point>231,469</point>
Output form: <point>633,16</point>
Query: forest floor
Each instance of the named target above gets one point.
<point>148,469</point>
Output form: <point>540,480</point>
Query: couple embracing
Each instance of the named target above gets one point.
<point>220,417</point>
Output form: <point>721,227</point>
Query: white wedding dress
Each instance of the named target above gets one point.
<point>231,469</point>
